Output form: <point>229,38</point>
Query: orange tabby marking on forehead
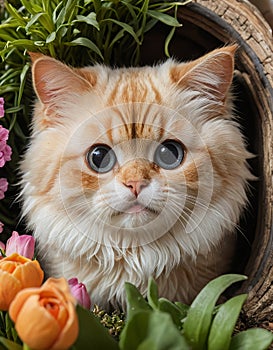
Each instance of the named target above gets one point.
<point>133,88</point>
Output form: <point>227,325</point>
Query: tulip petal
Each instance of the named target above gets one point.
<point>23,245</point>
<point>70,332</point>
<point>9,287</point>
<point>30,274</point>
<point>34,318</point>
<point>19,301</point>
<point>61,287</point>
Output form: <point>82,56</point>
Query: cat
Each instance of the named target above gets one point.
<point>135,172</point>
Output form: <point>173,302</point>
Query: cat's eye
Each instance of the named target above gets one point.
<point>101,158</point>
<point>169,154</point>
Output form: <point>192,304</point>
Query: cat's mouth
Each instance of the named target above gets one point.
<point>136,208</point>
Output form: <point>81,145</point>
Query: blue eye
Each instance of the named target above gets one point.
<point>101,158</point>
<point>169,154</point>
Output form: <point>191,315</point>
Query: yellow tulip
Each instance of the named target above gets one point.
<point>45,318</point>
<point>17,273</point>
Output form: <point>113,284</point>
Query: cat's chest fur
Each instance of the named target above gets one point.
<point>136,172</point>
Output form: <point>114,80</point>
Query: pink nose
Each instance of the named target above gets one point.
<point>136,186</point>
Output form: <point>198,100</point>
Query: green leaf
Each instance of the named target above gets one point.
<point>10,345</point>
<point>23,78</point>
<point>198,321</point>
<point>252,339</point>
<point>224,323</point>
<point>90,19</point>
<point>151,330</point>
<point>14,13</point>
<point>135,301</point>
<point>152,294</point>
<point>167,42</point>
<point>92,332</point>
<point>33,20</point>
<point>164,18</point>
<point>31,7</point>
<point>87,43</point>
<point>125,26</point>
<point>183,308</point>
<point>51,37</point>
<point>22,43</point>
<point>176,314</point>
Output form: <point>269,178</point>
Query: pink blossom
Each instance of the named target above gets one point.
<point>23,245</point>
<point>1,227</point>
<point>3,187</point>
<point>5,150</point>
<point>2,110</point>
<point>79,291</point>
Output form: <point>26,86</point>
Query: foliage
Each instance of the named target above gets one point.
<point>159,324</point>
<point>78,32</point>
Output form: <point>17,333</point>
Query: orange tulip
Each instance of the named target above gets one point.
<point>17,273</point>
<point>45,317</point>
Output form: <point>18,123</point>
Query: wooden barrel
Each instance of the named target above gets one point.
<point>208,24</point>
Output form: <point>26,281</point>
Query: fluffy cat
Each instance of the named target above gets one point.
<point>135,172</point>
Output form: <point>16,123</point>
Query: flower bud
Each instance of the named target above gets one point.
<point>23,245</point>
<point>80,293</point>
<point>17,273</point>
<point>45,318</point>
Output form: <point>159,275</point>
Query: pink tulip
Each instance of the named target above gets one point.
<point>23,245</point>
<point>2,110</point>
<point>5,150</point>
<point>3,187</point>
<point>79,291</point>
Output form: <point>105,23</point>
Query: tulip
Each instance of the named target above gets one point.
<point>17,273</point>
<point>45,318</point>
<point>23,245</point>
<point>80,293</point>
<point>2,110</point>
<point>3,186</point>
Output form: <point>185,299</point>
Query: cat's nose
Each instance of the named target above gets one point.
<point>136,186</point>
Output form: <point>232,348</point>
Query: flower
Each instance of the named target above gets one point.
<point>45,317</point>
<point>80,293</point>
<point>23,245</point>
<point>17,273</point>
<point>3,187</point>
<point>1,227</point>
<point>2,110</point>
<point>5,150</point>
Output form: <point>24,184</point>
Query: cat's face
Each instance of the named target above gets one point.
<point>129,155</point>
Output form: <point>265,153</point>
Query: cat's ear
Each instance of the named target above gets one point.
<point>53,81</point>
<point>211,74</point>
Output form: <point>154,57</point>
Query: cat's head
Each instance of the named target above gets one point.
<point>129,155</point>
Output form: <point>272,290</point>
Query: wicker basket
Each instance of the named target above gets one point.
<point>208,24</point>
